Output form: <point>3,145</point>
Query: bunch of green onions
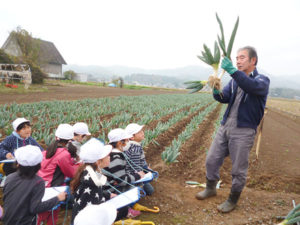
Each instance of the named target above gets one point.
<point>214,59</point>
<point>292,217</point>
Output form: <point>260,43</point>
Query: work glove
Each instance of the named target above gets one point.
<point>227,66</point>
<point>216,91</point>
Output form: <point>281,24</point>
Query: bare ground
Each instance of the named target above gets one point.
<point>273,179</point>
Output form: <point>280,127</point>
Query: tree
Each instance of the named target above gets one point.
<point>5,58</point>
<point>121,81</point>
<point>69,75</point>
<point>30,48</point>
<point>118,82</point>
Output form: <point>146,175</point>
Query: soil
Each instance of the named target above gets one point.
<point>73,92</point>
<point>273,179</point>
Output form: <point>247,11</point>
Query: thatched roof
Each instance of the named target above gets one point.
<point>48,52</point>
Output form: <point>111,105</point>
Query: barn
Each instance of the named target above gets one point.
<point>50,58</point>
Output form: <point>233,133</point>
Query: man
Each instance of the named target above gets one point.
<point>246,96</point>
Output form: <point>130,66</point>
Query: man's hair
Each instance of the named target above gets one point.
<point>251,52</point>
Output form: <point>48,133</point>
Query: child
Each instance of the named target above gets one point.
<point>81,130</point>
<point>57,165</point>
<point>118,139</point>
<point>23,190</point>
<point>21,136</point>
<point>104,214</point>
<point>136,154</point>
<point>94,156</point>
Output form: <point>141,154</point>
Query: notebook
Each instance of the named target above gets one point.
<point>148,177</point>
<point>125,198</point>
<point>53,192</point>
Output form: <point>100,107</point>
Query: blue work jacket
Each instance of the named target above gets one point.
<point>253,102</point>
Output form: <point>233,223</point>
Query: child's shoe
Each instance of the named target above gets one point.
<point>133,213</point>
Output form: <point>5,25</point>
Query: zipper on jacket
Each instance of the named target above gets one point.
<point>246,97</point>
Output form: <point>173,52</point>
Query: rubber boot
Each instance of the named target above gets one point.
<point>230,203</point>
<point>209,191</point>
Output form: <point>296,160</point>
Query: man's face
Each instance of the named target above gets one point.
<point>244,63</point>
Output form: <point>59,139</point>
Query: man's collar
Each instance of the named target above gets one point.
<point>254,73</point>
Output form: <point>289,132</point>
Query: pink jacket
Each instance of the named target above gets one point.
<point>57,168</point>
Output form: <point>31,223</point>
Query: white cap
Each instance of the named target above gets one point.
<point>64,131</point>
<point>17,122</point>
<point>94,150</point>
<point>133,128</point>
<point>118,134</point>
<point>81,128</point>
<point>103,214</point>
<point>29,155</point>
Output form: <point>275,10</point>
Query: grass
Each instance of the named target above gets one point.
<point>90,83</point>
<point>48,82</point>
<point>21,90</point>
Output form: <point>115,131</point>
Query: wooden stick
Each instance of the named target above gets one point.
<point>260,133</point>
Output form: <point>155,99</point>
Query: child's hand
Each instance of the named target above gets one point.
<point>62,196</point>
<point>141,173</point>
<point>112,195</point>
<point>9,156</point>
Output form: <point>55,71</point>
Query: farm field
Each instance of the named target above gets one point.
<point>273,180</point>
<point>288,107</point>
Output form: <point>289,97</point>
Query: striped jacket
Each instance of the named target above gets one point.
<point>117,170</point>
<point>136,157</point>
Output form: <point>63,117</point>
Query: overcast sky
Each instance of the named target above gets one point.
<point>158,34</point>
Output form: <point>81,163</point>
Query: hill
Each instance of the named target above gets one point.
<point>280,86</point>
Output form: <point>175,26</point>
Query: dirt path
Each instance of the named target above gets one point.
<point>278,165</point>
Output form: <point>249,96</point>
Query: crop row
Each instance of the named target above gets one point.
<point>141,109</point>
<point>171,152</point>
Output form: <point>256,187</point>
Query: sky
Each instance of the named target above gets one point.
<point>158,34</point>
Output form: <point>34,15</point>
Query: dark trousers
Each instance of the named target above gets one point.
<point>235,142</point>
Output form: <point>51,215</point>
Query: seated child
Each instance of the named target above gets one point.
<point>94,156</point>
<point>119,178</point>
<point>135,153</point>
<point>103,214</point>
<point>21,136</point>
<point>81,130</point>
<point>23,190</point>
<point>57,165</point>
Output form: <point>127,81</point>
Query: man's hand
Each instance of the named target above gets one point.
<point>227,66</point>
<point>216,91</point>
<point>9,156</point>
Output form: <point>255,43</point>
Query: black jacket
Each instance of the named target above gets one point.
<point>23,199</point>
<point>89,191</point>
